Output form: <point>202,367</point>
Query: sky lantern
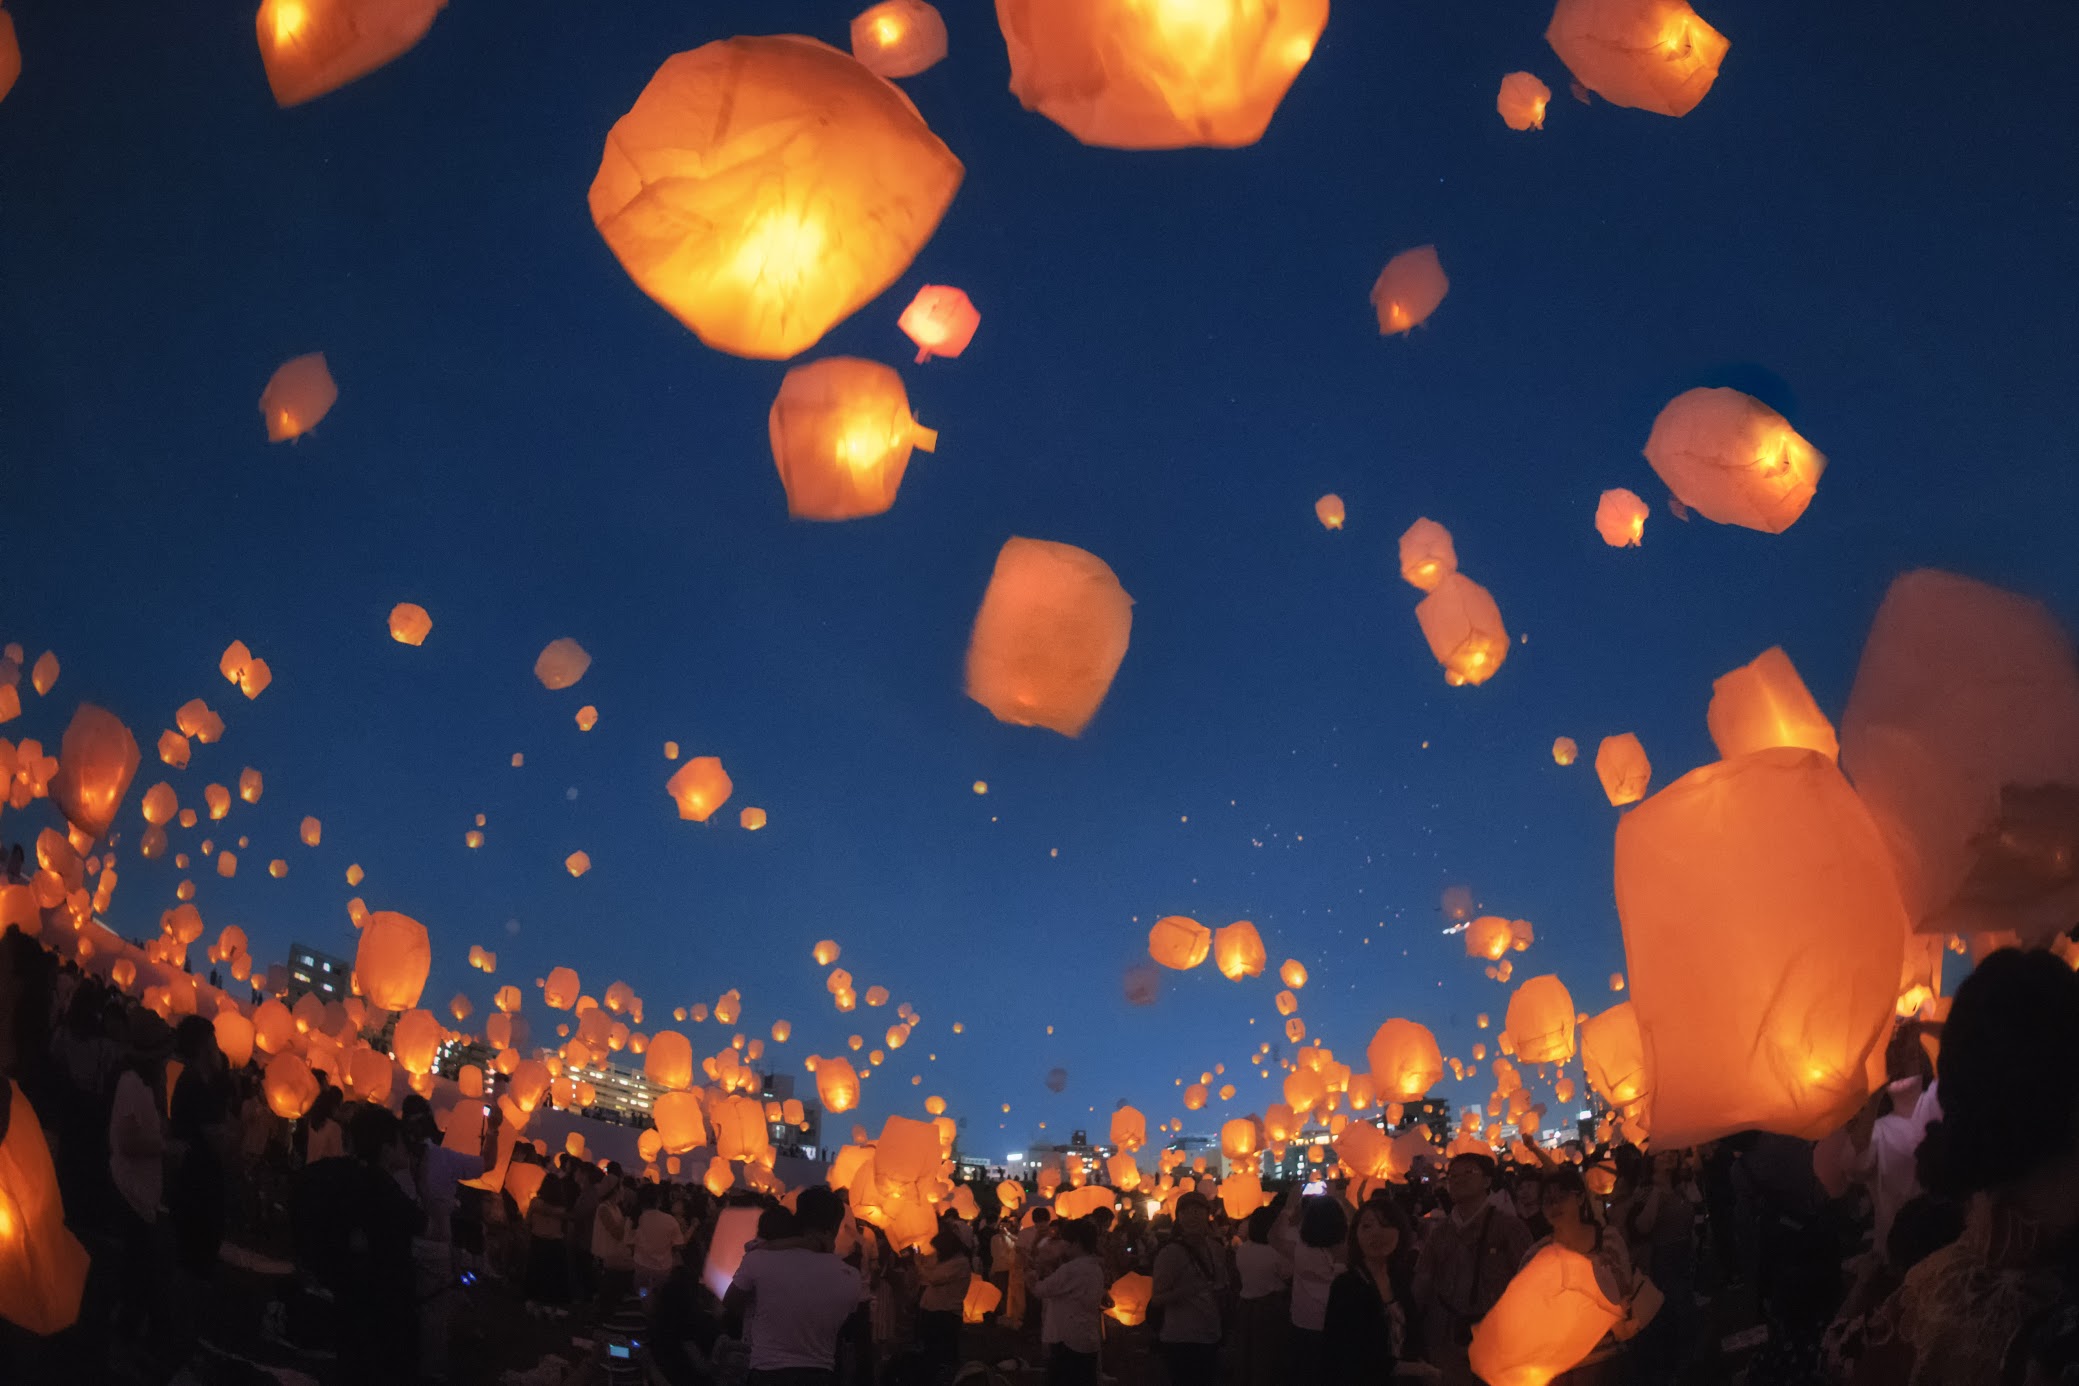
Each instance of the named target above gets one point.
<point>751,819</point>
<point>289,1085</point>
<point>235,1035</point>
<point>837,1083</point>
<point>941,320</point>
<point>311,47</point>
<point>1126,74</point>
<point>680,1125</point>
<point>1564,751</point>
<point>1409,289</point>
<point>43,1267</point>
<point>764,189</point>
<point>415,1043</point>
<point>739,1127</point>
<point>699,787</point>
<point>196,720</point>
<point>218,800</point>
<point>44,676</point>
<point>173,750</point>
<point>1961,726</point>
<point>1293,973</point>
<point>409,623</point>
<point>1621,764</point>
<point>1620,518</point>
<point>1521,101</point>
<point>1426,555</point>
<point>1766,704</point>
<point>898,38</point>
<point>97,759</point>
<point>1487,937</point>
<point>841,434</point>
<point>240,666</point>
<point>1052,630</point>
<point>1548,1319</point>
<point>578,863</point>
<point>1541,1019</point>
<point>1238,951</point>
<point>1732,459</point>
<point>1179,942</point>
<point>1129,1129</point>
<point>1613,1056</point>
<point>1405,1061</point>
<point>827,952</point>
<point>392,960</point>
<point>301,392</point>
<point>1464,629</point>
<point>1329,511</point>
<point>668,1062</point>
<point>561,664</point>
<point>506,999</point>
<point>982,1296</point>
<point>10,55</point>
<point>1764,936</point>
<point>251,785</point>
<point>1650,55</point>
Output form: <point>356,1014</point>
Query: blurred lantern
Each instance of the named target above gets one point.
<point>680,1126</point>
<point>1329,511</point>
<point>898,38</point>
<point>1426,555</point>
<point>392,960</point>
<point>739,1124</point>
<point>196,720</point>
<point>1238,951</point>
<point>10,55</point>
<point>699,787</point>
<point>561,664</point>
<point>1521,101</point>
<point>1052,629</point>
<point>827,952</point>
<point>1564,751</point>
<point>1621,764</point>
<point>1125,74</point>
<point>1464,629</point>
<point>416,1041</point>
<point>1293,974</point>
<point>981,1300</point>
<point>1241,1194</point>
<point>1763,935</point>
<point>234,1037</point>
<point>1130,1294</point>
<point>218,799</point>
<point>1405,1061</point>
<point>1194,1097</point>
<point>240,666</point>
<point>160,803</point>
<point>841,437</point>
<point>941,321</point>
<point>1295,1030</point>
<point>1732,459</point>
<point>751,819</point>
<point>1549,1318</point>
<point>764,189</point>
<point>1178,942</point>
<point>1239,1138</point>
<point>1407,292</point>
<point>1613,1056</point>
<point>1766,704</point>
<point>289,1086</point>
<point>43,1267</point>
<point>173,749</point>
<point>1487,937</point>
<point>1129,1129</point>
<point>301,392</point>
<point>96,761</point>
<point>577,863</point>
<point>1286,1002</point>
<point>1620,518</point>
<point>1541,1020</point>
<point>1650,55</point>
<point>311,47</point>
<point>409,623</point>
<point>460,1008</point>
<point>837,1084</point>
<point>250,785</point>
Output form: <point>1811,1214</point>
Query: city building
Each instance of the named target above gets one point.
<point>317,973</point>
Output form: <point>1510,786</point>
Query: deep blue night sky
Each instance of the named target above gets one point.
<point>1869,222</point>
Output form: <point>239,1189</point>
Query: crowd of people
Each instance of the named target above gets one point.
<point>1929,1241</point>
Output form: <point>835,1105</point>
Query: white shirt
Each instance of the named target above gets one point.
<point>657,1235</point>
<point>1262,1269</point>
<point>800,1300</point>
<point>134,1126</point>
<point>1071,1299</point>
<point>1313,1271</point>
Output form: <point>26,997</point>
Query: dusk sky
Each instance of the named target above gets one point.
<point>1870,223</point>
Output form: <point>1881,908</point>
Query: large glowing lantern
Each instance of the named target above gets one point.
<point>898,38</point>
<point>1521,101</point>
<point>1464,629</point>
<point>1051,632</point>
<point>10,55</point>
<point>1130,1295</point>
<point>1405,1061</point>
<point>1158,74</point>
<point>699,787</point>
<point>289,1085</point>
<point>311,47</point>
<point>1764,937</point>
<point>96,761</point>
<point>1613,1055</point>
<point>1732,459</point>
<point>1427,555</point>
<point>1179,942</point>
<point>392,960</point>
<point>841,437</point>
<point>43,1267</point>
<point>1547,1321</point>
<point>234,1036</point>
<point>1541,1019</point>
<point>837,1084</point>
<point>1129,1129</point>
<point>1238,951</point>
<point>1962,736</point>
<point>1409,289</point>
<point>1650,55</point>
<point>941,321</point>
<point>1241,1193</point>
<point>1620,518</point>
<point>763,189</point>
<point>1365,1150</point>
<point>301,392</point>
<point>416,1041</point>
<point>1766,704</point>
<point>739,1126</point>
<point>1622,766</point>
<point>680,1125</point>
<point>981,1300</point>
<point>668,1062</point>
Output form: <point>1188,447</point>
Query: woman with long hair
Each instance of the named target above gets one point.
<point>941,1291</point>
<point>1365,1333</point>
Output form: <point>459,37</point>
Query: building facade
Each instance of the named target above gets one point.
<point>318,974</point>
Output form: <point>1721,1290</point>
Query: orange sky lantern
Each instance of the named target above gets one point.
<point>1613,1056</point>
<point>764,189</point>
<point>239,665</point>
<point>941,320</point>
<point>415,1043</point>
<point>751,819</point>
<point>1053,627</point>
<point>1179,942</point>
<point>289,1085</point>
<point>10,55</point>
<point>1732,459</point>
<point>561,664</point>
<point>1620,518</point>
<point>699,787</point>
<point>1238,951</point>
<point>43,1267</point>
<point>1464,629</point>
<point>196,720</point>
<point>898,38</point>
<point>97,759</point>
<point>1650,55</point>
<point>1622,766</point>
<point>841,435</point>
<point>1763,704</point>
<point>1522,100</point>
<point>1487,937</point>
<point>409,623</point>
<point>1409,289</point>
<point>301,392</point>
<point>1405,1061</point>
<point>1329,511</point>
<point>311,47</point>
<point>1427,556</point>
<point>1546,1322</point>
<point>668,1062</point>
<point>1541,1020</point>
<point>392,960</point>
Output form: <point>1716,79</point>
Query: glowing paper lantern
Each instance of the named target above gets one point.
<point>764,189</point>
<point>1129,1129</point>
<point>981,1301</point>
<point>97,759</point>
<point>289,1085</point>
<point>10,55</point>
<point>898,38</point>
<point>941,321</point>
<point>1764,935</point>
<point>739,1128</point>
<point>238,665</point>
<point>251,785</point>
<point>680,1125</point>
<point>699,787</point>
<point>1487,937</point>
<point>1613,1056</point>
<point>1427,556</point>
<point>1620,518</point>
<point>1547,1321</point>
<point>1521,101</point>
<point>1564,751</point>
<point>1732,459</point>
<point>1621,764</point>
<point>173,750</point>
<point>1541,1020</point>
<point>837,1083</point>
<point>196,720</point>
<point>1766,704</point>
<point>1405,1061</point>
<point>1241,1193</point>
<point>1125,74</point>
<point>1464,629</point>
<point>1329,511</point>
<point>392,960</point>
<point>561,664</point>
<point>1293,973</point>
<point>415,1043</point>
<point>1409,289</point>
<point>409,623</point>
<point>1650,55</point>
<point>1179,942</point>
<point>668,1062</point>
<point>577,863</point>
<point>1051,632</point>
<point>43,1267</point>
<point>841,435</point>
<point>301,392</point>
<point>1238,951</point>
<point>751,819</point>
<point>311,47</point>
